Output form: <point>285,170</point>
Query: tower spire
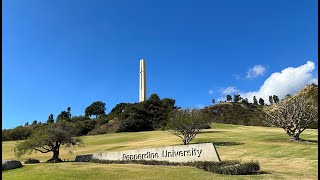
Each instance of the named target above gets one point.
<point>142,84</point>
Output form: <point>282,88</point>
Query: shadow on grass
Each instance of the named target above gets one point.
<point>222,143</point>
<point>264,172</point>
<point>116,147</point>
<point>309,141</point>
<point>205,132</point>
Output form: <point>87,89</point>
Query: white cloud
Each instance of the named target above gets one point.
<point>230,90</point>
<point>289,81</point>
<point>257,70</point>
<point>211,91</point>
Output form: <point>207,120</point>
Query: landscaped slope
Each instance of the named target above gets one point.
<point>248,114</point>
<point>279,158</point>
<point>236,113</point>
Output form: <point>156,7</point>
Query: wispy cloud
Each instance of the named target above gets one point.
<point>200,106</point>
<point>211,91</point>
<point>236,76</point>
<point>230,90</point>
<point>257,70</point>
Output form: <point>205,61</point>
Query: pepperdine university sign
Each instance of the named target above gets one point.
<point>182,153</point>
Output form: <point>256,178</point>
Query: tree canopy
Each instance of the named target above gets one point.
<point>293,115</point>
<point>186,124</point>
<point>96,108</point>
<point>49,139</point>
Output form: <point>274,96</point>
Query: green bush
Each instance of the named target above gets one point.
<point>222,167</point>
<point>83,127</point>
<point>18,133</point>
<point>31,161</point>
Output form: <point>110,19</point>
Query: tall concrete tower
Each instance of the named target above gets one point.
<point>143,85</point>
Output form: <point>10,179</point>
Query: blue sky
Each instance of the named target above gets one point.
<point>58,53</point>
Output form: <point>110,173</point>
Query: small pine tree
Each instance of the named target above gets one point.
<point>255,102</point>
<point>50,119</point>
<point>271,100</point>
<point>261,101</point>
<point>229,98</point>
<point>213,101</point>
<point>275,99</point>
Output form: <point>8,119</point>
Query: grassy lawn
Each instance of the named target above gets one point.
<point>279,158</point>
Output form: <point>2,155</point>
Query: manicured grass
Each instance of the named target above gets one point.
<point>278,158</point>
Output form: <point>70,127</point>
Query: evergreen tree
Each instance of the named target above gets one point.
<point>236,98</point>
<point>50,119</point>
<point>213,101</point>
<point>271,100</point>
<point>229,98</point>
<point>255,102</point>
<point>275,99</point>
<point>261,101</point>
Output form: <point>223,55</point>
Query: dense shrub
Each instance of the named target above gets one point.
<point>145,116</point>
<point>79,118</point>
<point>111,127</point>
<point>222,167</point>
<point>31,161</point>
<point>83,127</point>
<point>18,133</point>
<point>10,164</point>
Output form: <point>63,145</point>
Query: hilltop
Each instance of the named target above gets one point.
<point>310,91</point>
<point>248,114</point>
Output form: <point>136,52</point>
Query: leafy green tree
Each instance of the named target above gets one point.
<point>271,100</point>
<point>34,122</point>
<point>96,108</point>
<point>186,124</point>
<point>154,98</point>
<point>245,101</point>
<point>18,133</point>
<point>119,108</point>
<point>275,99</point>
<point>236,98</point>
<point>26,124</point>
<point>50,119</point>
<point>84,127</point>
<point>147,115</point>
<point>229,98</point>
<point>255,102</point>
<point>64,116</point>
<point>261,101</point>
<point>135,118</point>
<point>49,139</point>
<point>169,103</point>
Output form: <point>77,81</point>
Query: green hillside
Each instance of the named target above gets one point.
<point>248,114</point>
<point>236,113</point>
<point>279,158</point>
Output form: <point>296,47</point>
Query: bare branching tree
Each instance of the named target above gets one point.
<point>186,124</point>
<point>293,115</point>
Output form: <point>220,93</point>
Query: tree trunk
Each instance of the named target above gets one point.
<point>184,142</point>
<point>295,137</point>
<point>55,157</point>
